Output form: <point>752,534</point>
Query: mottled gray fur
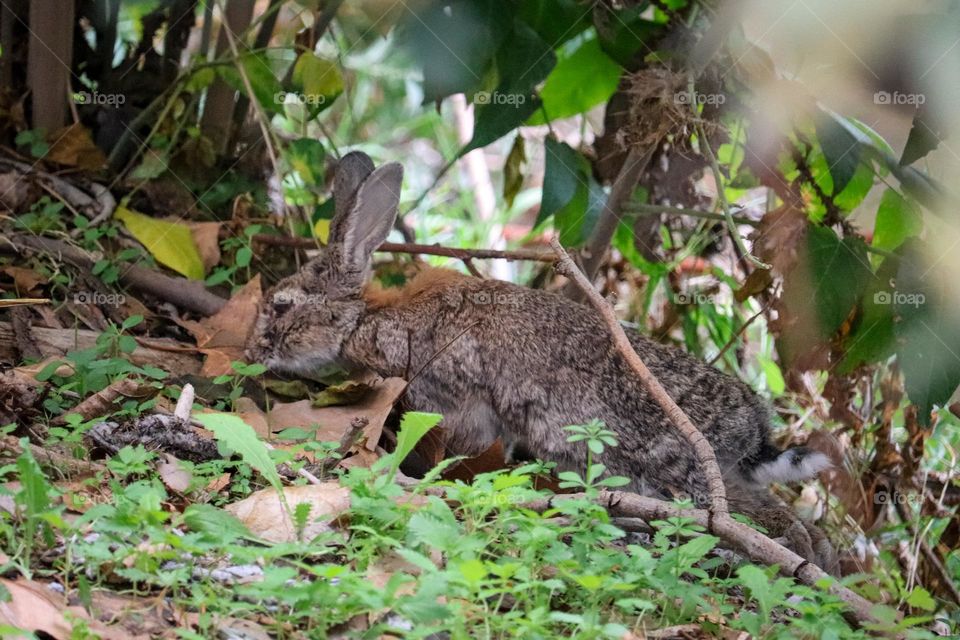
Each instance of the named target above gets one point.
<point>500,360</point>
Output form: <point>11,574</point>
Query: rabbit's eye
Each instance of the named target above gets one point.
<point>281,305</point>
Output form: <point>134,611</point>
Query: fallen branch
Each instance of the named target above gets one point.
<point>55,343</point>
<point>716,519</point>
<point>413,248</point>
<point>191,295</point>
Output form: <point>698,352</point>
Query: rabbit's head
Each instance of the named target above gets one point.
<point>306,318</point>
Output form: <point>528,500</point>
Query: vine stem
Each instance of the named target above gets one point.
<point>724,204</point>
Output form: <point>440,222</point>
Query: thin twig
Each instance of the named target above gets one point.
<point>724,205</point>
<point>413,248</point>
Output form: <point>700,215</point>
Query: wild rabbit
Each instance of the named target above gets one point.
<point>500,360</point>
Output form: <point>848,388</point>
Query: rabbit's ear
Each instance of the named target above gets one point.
<point>352,170</point>
<point>369,221</point>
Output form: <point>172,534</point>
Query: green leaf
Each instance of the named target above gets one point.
<point>171,243</point>
<point>925,136</point>
<point>413,426</point>
<point>455,44</point>
<point>897,220</point>
<point>841,150</point>
<point>557,21</point>
<point>219,525</point>
<point>319,82</point>
<point>774,376</point>
<point>576,220</point>
<point>266,88</point>
<point>927,330</point>
<point>513,171</point>
<point>306,157</point>
<point>561,178</point>
<point>581,80</point>
<point>921,599</point>
<point>34,494</point>
<point>238,436</point>
<point>523,62</point>
<point>839,272</point>
<point>872,338</point>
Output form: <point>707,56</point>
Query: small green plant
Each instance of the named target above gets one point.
<point>34,141</point>
<point>235,380</point>
<point>131,461</point>
<point>45,215</point>
<point>597,437</point>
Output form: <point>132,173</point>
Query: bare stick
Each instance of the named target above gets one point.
<point>620,192</point>
<point>701,447</point>
<point>191,295</point>
<point>426,249</point>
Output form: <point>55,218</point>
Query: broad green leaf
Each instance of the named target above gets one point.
<point>771,371</point>
<point>841,150</point>
<point>561,178</point>
<point>306,157</point>
<point>319,80</point>
<point>523,61</point>
<point>924,137</point>
<point>34,494</point>
<point>839,272</point>
<point>927,330</point>
<point>455,44</point>
<point>897,220</point>
<point>413,426</point>
<point>580,81</point>
<point>921,599</point>
<point>555,20</point>
<point>216,523</point>
<point>238,436</point>
<point>171,243</point>
<point>628,34</point>
<point>576,220</point>
<point>263,80</point>
<point>872,338</point>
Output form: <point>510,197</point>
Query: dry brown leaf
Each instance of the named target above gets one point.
<point>222,336</point>
<point>263,513</point>
<point>248,410</point>
<point>173,474</point>
<point>80,496</point>
<point>140,617</point>
<point>34,607</point>
<point>334,421</point>
<point>206,235</point>
<point>72,146</point>
<point>26,280</point>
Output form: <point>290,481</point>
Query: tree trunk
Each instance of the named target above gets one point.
<point>49,61</point>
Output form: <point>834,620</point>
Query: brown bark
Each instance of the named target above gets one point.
<point>49,61</point>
